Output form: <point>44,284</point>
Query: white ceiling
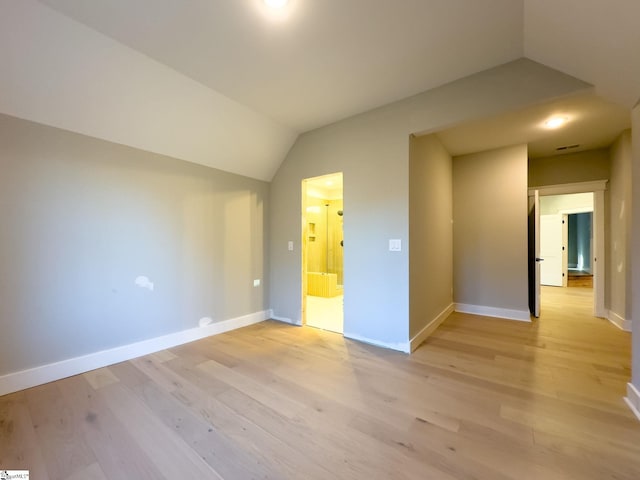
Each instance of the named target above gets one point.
<point>594,40</point>
<point>323,61</point>
<point>593,122</point>
<point>228,84</point>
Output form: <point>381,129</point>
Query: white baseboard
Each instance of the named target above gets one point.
<point>14,382</point>
<point>633,399</point>
<point>401,347</point>
<point>283,319</point>
<point>618,321</point>
<point>520,315</point>
<point>430,327</point>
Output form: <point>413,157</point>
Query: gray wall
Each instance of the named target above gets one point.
<point>580,231</point>
<point>569,168</point>
<point>635,236</point>
<point>619,238</point>
<point>372,150</point>
<point>490,253</point>
<point>430,231</point>
<point>83,218</point>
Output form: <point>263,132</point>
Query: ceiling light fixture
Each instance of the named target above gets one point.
<point>276,3</point>
<point>556,122</point>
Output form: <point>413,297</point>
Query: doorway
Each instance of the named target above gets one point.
<point>323,252</point>
<point>566,239</point>
<point>595,265</point>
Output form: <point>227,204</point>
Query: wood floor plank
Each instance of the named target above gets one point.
<point>173,456</point>
<point>249,435</point>
<point>59,430</point>
<point>20,448</point>
<point>213,446</point>
<point>92,472</point>
<point>111,442</point>
<point>100,378</point>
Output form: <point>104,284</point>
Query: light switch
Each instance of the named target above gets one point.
<point>395,245</point>
<point>290,246</point>
<point>256,282</point>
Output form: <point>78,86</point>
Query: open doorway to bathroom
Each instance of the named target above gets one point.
<point>322,252</point>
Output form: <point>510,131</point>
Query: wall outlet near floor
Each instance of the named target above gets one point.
<point>256,282</point>
<point>290,246</point>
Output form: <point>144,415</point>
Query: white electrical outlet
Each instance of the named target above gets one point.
<point>256,282</point>
<point>290,246</point>
<point>395,245</point>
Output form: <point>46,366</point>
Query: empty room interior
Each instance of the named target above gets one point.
<point>300,239</point>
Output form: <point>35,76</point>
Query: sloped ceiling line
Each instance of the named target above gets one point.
<point>222,84</point>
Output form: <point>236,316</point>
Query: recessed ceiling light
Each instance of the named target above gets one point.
<point>556,122</point>
<point>276,3</point>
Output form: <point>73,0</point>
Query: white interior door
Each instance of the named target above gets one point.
<point>551,250</point>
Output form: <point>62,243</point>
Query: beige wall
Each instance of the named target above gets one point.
<point>569,168</point>
<point>83,218</point>
<point>430,231</point>
<point>619,238</point>
<point>490,259</point>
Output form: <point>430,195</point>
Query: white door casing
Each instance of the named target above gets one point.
<point>598,188</point>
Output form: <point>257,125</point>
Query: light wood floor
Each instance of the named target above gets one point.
<point>481,399</point>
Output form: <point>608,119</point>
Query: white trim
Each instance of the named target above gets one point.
<point>430,327</point>
<point>598,266</point>
<point>633,399</point>
<point>569,211</point>
<point>618,321</point>
<point>284,319</point>
<point>16,381</point>
<point>401,347</point>
<point>566,188</point>
<point>519,315</point>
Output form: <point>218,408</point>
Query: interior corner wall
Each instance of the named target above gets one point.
<point>619,239</point>
<point>585,166</point>
<point>490,266</point>
<point>103,245</point>
<point>372,151</point>
<point>430,232</point>
<point>635,252</point>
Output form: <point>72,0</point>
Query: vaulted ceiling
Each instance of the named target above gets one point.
<point>230,84</point>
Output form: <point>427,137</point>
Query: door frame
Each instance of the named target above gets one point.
<point>597,187</point>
